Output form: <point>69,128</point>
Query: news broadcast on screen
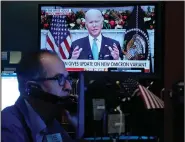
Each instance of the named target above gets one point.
<point>115,39</point>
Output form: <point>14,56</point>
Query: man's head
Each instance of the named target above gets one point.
<point>94,22</point>
<point>41,65</point>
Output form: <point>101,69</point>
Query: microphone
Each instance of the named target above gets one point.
<point>90,57</point>
<point>100,57</point>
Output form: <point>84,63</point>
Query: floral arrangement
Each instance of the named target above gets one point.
<point>112,19</point>
<point>45,20</point>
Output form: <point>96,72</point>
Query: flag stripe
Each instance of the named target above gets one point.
<point>69,40</point>
<point>58,38</point>
<point>149,97</point>
<point>144,97</point>
<point>65,50</point>
<point>50,43</point>
<point>62,52</point>
<point>159,101</point>
<point>150,93</point>
<point>53,45</point>
<point>154,99</point>
<point>67,44</point>
<point>151,101</point>
<point>157,105</point>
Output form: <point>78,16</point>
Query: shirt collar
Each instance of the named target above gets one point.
<point>98,38</point>
<point>36,123</point>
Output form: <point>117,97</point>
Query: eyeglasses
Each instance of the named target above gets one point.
<point>59,77</point>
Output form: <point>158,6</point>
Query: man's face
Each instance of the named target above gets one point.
<point>54,66</point>
<point>94,24</point>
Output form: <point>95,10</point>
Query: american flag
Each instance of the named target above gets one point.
<point>58,37</point>
<point>150,100</point>
<point>135,89</point>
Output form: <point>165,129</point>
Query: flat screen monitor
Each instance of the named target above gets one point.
<point>10,91</point>
<point>102,38</point>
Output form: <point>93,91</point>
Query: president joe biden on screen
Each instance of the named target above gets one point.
<point>95,46</point>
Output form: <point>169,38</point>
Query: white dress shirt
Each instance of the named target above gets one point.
<point>98,41</point>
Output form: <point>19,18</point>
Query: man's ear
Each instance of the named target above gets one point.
<point>102,21</point>
<point>86,25</point>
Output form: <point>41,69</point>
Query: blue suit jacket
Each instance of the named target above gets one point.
<point>16,125</point>
<point>86,48</point>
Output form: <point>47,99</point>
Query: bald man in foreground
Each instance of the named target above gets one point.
<point>95,46</point>
<point>32,119</point>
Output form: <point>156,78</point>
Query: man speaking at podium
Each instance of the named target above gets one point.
<point>95,45</point>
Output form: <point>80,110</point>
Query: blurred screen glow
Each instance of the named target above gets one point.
<point>10,92</point>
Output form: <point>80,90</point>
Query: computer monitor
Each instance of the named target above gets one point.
<point>10,91</point>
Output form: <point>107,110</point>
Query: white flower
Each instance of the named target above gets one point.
<point>116,22</point>
<point>103,12</point>
<point>119,27</point>
<point>83,20</point>
<point>72,24</point>
<point>153,22</point>
<point>106,21</point>
<point>81,27</point>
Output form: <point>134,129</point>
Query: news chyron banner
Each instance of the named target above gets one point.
<point>105,65</point>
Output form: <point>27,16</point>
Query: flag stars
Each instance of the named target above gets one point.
<point>59,29</point>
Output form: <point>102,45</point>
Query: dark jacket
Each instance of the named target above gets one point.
<point>19,123</point>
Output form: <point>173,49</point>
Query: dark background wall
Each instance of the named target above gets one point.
<point>174,59</point>
<point>19,27</point>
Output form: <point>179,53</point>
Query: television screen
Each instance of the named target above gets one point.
<point>10,91</point>
<point>114,39</point>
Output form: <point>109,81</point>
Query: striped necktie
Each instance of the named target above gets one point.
<point>95,50</point>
